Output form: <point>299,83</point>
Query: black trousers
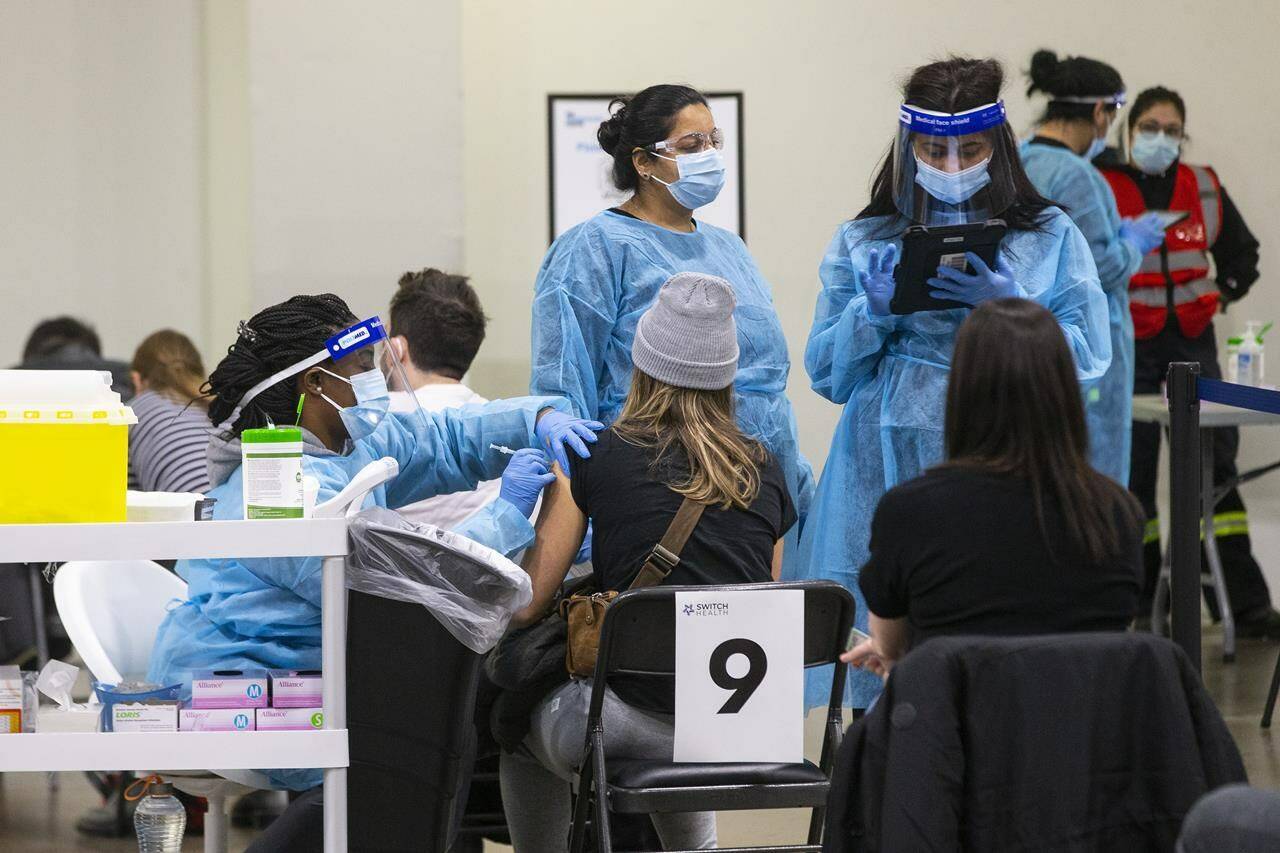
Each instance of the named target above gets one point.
<point>1246,587</point>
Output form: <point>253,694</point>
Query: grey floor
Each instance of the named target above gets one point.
<point>34,819</point>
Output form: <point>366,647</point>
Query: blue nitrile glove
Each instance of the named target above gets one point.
<point>584,553</point>
<point>527,474</point>
<point>878,279</point>
<point>556,429</point>
<point>1144,232</point>
<point>984,284</point>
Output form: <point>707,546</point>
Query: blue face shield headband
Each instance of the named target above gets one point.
<point>942,161</point>
<point>372,398</point>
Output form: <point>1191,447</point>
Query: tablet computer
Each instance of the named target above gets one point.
<point>925,248</point>
<point>1170,218</point>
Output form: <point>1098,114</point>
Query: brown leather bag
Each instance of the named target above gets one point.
<point>584,612</point>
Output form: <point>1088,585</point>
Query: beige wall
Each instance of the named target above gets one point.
<point>100,168</point>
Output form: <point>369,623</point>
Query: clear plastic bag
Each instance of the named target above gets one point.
<point>472,590</point>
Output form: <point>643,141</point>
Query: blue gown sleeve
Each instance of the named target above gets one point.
<point>1077,300</point>
<point>500,526</point>
<point>448,450</point>
<point>574,311</point>
<point>1095,215</point>
<point>846,342</point>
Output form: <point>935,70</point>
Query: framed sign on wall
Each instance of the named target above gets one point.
<point>579,182</point>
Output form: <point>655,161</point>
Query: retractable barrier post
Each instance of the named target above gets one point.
<point>1184,509</point>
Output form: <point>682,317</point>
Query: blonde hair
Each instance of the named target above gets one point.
<point>724,464</point>
<point>170,365</point>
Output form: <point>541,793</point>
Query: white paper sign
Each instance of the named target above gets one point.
<point>580,183</point>
<point>740,676</point>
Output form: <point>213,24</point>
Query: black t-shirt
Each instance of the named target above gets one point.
<point>959,551</point>
<point>630,507</point>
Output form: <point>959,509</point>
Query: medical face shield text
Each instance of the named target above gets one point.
<point>701,178</point>
<point>370,386</point>
<point>942,165</point>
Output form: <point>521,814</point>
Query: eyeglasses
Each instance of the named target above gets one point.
<point>691,143</point>
<point>1151,128</point>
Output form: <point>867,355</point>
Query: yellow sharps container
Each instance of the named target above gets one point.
<point>64,447</point>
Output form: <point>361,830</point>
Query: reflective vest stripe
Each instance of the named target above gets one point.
<point>1182,293</point>
<point>1209,203</point>
<point>1183,259</point>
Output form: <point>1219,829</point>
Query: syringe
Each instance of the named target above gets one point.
<point>502,449</point>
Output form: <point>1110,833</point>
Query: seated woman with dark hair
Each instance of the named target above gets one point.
<point>1015,533</point>
<point>675,439</point>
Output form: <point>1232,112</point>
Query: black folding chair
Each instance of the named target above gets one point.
<point>639,638</point>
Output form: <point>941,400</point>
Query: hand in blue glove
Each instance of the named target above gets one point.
<point>985,283</point>
<point>1144,232</point>
<point>584,553</point>
<point>556,429</point>
<point>878,282</point>
<point>527,474</point>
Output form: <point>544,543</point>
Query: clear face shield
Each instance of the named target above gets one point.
<point>353,361</point>
<point>948,168</point>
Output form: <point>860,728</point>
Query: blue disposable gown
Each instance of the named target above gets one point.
<point>1066,178</point>
<point>264,613</point>
<point>597,280</point>
<point>890,374</point>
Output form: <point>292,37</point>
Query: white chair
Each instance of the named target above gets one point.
<point>111,610</point>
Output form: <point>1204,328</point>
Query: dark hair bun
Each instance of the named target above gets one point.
<point>1044,70</point>
<point>610,132</point>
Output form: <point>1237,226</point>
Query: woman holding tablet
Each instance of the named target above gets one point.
<point>954,162</point>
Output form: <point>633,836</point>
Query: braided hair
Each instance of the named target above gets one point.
<point>271,340</point>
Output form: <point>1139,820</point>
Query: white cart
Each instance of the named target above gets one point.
<point>106,751</point>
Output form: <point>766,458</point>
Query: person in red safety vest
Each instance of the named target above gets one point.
<point>1207,261</point>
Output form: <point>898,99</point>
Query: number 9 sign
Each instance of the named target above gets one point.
<point>739,676</point>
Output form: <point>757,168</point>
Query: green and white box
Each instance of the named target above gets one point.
<point>272,472</point>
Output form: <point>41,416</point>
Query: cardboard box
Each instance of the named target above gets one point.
<point>290,719</point>
<point>144,717</point>
<point>216,720</point>
<point>229,688</point>
<point>296,688</point>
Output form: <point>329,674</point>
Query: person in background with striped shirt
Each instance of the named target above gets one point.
<point>167,445</point>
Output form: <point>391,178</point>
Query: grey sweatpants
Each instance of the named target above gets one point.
<point>536,783</point>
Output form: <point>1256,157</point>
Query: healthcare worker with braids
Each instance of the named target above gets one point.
<point>600,276</point>
<point>264,613</point>
<point>955,161</point>
<point>1083,97</point>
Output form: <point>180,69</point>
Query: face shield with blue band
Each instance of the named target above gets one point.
<point>952,168</point>
<point>351,356</point>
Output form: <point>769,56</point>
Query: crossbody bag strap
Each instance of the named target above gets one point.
<point>665,556</point>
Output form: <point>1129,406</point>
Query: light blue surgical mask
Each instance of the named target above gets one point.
<point>1096,147</point>
<point>1154,153</point>
<point>372,402</point>
<point>952,187</point>
<point>701,178</point>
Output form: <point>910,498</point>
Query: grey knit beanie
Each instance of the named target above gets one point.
<point>687,338</point>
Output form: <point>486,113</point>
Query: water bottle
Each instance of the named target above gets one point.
<point>160,821</point>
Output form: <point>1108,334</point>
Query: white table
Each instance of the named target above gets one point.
<point>326,749</point>
<point>1154,408</point>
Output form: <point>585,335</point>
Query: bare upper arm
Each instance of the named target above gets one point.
<point>559,532</point>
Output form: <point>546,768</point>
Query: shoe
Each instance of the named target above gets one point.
<point>258,809</point>
<point>1263,627</point>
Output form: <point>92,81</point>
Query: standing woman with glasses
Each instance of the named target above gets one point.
<point>1173,297</point>
<point>599,277</point>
